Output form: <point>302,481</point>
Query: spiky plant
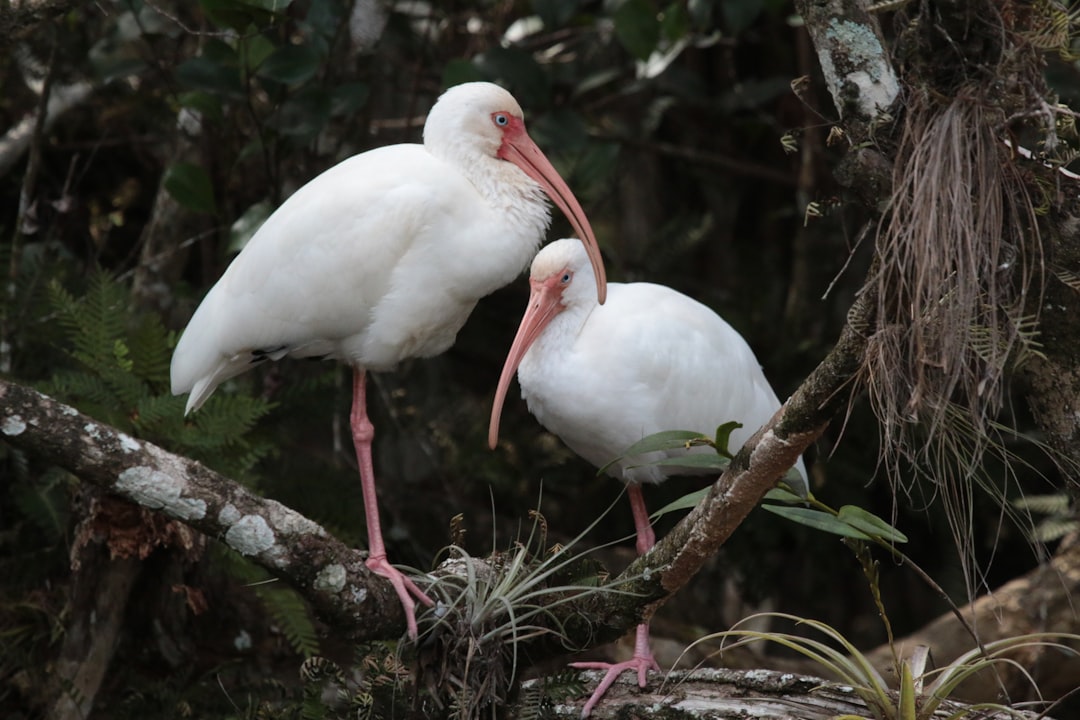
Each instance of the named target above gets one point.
<point>921,694</point>
<point>489,606</point>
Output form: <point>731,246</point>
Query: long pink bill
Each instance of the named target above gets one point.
<point>545,302</point>
<point>523,152</point>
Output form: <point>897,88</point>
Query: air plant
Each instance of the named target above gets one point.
<point>488,608</point>
<point>921,693</point>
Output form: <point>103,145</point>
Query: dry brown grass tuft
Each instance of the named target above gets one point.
<point>958,280</point>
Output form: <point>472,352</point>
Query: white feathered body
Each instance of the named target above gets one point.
<point>602,377</point>
<point>364,264</point>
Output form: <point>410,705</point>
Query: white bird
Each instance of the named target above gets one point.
<point>382,258</point>
<point>602,377</point>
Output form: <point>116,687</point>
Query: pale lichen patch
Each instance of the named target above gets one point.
<point>242,641</point>
<point>865,69</point>
<point>250,535</point>
<point>13,426</point>
<point>331,578</point>
<point>128,443</point>
<point>93,430</point>
<point>290,522</point>
<point>154,489</point>
<point>228,514</point>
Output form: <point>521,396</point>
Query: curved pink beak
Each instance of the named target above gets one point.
<point>520,149</point>
<point>545,302</point>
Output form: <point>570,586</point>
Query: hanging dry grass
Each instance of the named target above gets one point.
<point>960,268</point>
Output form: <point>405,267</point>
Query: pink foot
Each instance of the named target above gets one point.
<point>403,586</point>
<point>643,661</point>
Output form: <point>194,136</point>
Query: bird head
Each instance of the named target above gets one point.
<point>559,280</point>
<point>482,118</point>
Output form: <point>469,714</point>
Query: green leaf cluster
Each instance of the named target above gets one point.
<point>119,373</point>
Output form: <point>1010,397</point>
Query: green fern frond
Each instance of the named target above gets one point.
<point>1055,528</point>
<point>157,415</point>
<point>282,603</point>
<point>1070,279</point>
<point>291,614</point>
<point>224,419</point>
<point>1057,504</point>
<point>151,351</point>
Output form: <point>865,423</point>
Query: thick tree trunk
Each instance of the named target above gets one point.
<point>723,695</point>
<point>1043,601</point>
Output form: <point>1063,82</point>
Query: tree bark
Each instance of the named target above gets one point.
<point>19,17</point>
<point>333,577</point>
<point>722,694</point>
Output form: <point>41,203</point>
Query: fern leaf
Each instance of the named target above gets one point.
<point>292,616</point>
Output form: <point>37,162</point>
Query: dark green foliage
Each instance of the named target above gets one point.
<point>120,375</point>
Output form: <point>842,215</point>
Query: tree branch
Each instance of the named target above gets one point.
<point>330,575</point>
<point>853,59</point>
<point>725,694</point>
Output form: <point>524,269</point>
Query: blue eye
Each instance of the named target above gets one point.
<point>565,278</point>
<point>502,119</point>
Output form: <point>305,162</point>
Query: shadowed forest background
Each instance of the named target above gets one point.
<point>697,137</point>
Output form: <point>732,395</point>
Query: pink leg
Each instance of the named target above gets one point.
<point>646,538</point>
<point>363,433</point>
<point>643,659</point>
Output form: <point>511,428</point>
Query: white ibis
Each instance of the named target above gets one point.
<point>382,258</point>
<point>604,377</point>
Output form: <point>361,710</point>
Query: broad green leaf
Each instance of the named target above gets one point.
<point>870,523</point>
<point>691,460</point>
<point>816,519</point>
<point>793,481</point>
<point>247,225</point>
<point>325,18</point>
<point>637,27</point>
<point>254,50</point>
<point>460,71</point>
<point>663,440</point>
<point>783,495</point>
<point>290,65</point>
<point>674,22</point>
<point>555,13</point>
<point>563,129</point>
<point>517,70</point>
<point>348,98</point>
<point>595,166</point>
<point>202,73</point>
<point>190,186</point>
<point>302,116</point>
<point>701,12</point>
<point>275,6</point>
<point>686,502</point>
<point>598,79</point>
<point>723,437</point>
<point>208,105</point>
<point>740,14</point>
<point>240,14</point>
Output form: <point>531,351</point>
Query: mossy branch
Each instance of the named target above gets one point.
<point>330,575</point>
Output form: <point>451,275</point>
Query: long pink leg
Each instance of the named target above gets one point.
<point>363,433</point>
<point>643,659</point>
